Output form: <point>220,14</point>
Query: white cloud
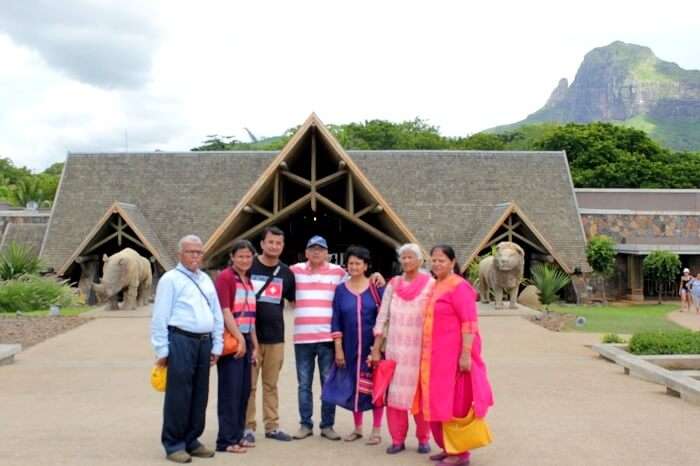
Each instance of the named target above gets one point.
<point>181,70</point>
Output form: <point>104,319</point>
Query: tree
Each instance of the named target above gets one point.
<point>662,267</point>
<point>600,254</point>
<point>27,190</point>
<point>55,169</point>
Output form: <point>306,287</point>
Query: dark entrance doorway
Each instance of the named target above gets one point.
<point>339,233</point>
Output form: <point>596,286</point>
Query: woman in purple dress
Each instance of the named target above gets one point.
<point>355,307</point>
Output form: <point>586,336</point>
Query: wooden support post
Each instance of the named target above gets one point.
<point>350,196</point>
<point>313,168</point>
<point>120,229</point>
<point>276,193</point>
<point>510,228</point>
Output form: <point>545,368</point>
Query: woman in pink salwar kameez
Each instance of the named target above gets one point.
<point>452,373</point>
<point>401,317</point>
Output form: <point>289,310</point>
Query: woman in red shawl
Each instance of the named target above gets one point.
<point>453,376</point>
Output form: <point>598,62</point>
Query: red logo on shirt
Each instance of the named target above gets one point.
<point>273,290</point>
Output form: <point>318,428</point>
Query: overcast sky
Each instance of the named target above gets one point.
<point>88,75</point>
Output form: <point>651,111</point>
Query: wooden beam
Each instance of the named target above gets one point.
<point>360,223</point>
<point>494,240</point>
<point>515,226</point>
<point>276,193</point>
<point>296,205</point>
<point>261,210</point>
<point>135,240</point>
<point>366,210</point>
<point>100,243</point>
<point>525,240</point>
<point>297,179</point>
<point>325,181</point>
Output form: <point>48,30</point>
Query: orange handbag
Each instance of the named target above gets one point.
<point>230,343</point>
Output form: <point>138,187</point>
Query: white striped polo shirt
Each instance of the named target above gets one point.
<point>313,308</point>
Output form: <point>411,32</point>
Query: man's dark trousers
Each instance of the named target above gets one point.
<point>186,392</point>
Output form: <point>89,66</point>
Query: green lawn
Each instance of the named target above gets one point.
<point>621,318</point>
<point>67,311</point>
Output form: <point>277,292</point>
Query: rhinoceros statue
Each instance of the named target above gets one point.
<point>126,270</point>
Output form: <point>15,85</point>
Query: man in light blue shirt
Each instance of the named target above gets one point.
<point>187,336</point>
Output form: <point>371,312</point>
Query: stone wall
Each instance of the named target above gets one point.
<point>642,228</point>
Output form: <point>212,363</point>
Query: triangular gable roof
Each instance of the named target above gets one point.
<point>138,224</point>
<point>498,216</point>
<point>222,235</point>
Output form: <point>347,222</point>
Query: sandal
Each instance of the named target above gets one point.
<point>246,444</point>
<point>374,439</point>
<point>236,449</point>
<point>352,437</point>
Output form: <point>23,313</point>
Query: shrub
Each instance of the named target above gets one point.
<point>675,342</point>
<point>612,338</point>
<point>548,280</point>
<point>31,293</point>
<point>17,260</point>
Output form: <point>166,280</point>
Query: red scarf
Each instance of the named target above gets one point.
<point>410,290</point>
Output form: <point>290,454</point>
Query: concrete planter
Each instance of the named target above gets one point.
<point>7,353</point>
<point>678,373</point>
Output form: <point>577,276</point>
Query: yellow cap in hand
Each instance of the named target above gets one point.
<point>159,375</point>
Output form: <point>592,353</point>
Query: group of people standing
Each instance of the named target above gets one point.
<point>345,323</point>
<point>689,291</point>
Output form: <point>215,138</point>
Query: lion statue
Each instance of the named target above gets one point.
<point>502,272</point>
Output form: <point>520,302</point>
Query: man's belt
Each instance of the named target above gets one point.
<point>198,336</point>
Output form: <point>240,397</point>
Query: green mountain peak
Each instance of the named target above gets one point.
<point>627,84</point>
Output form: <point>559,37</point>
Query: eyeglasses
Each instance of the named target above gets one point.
<point>193,253</point>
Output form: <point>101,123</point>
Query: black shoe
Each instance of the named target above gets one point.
<point>278,435</point>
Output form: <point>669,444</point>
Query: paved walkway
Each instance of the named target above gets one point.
<point>83,398</point>
<point>688,319</point>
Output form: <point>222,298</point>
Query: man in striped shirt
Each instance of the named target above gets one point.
<point>315,280</point>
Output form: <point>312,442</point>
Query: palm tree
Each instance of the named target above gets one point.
<point>548,280</point>
<point>25,191</point>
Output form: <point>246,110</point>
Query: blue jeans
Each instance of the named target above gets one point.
<point>306,355</point>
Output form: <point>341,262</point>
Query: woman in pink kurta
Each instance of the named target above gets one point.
<point>452,373</point>
<point>401,314</point>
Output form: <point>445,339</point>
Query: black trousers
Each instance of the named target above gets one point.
<point>186,392</point>
<point>234,390</point>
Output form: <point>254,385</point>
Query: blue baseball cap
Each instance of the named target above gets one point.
<point>317,241</point>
